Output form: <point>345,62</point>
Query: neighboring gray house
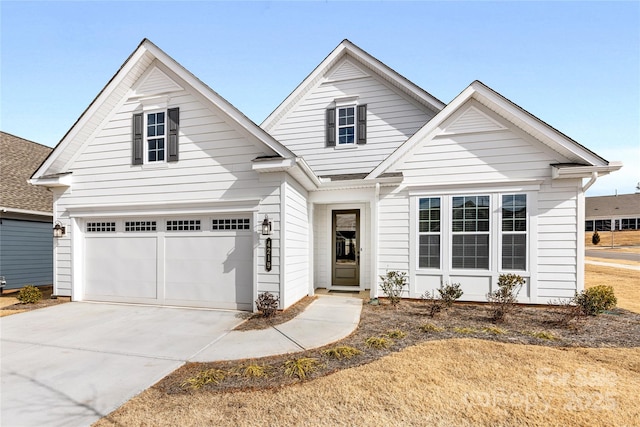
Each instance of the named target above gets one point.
<point>622,211</point>
<point>26,214</point>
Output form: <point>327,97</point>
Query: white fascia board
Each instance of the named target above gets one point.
<point>57,181</point>
<point>163,208</point>
<point>273,165</point>
<point>91,110</point>
<point>558,171</point>
<point>475,187</point>
<point>430,127</point>
<point>4,209</point>
<point>296,167</point>
<point>220,103</point>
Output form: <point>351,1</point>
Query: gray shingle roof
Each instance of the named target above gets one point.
<point>609,206</point>
<point>19,159</point>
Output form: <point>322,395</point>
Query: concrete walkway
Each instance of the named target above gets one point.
<point>614,265</point>
<point>327,319</point>
<point>71,364</point>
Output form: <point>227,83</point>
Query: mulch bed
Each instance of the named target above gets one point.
<point>46,300</point>
<point>617,328</point>
<point>258,321</point>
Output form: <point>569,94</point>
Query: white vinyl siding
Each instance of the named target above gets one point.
<point>391,119</point>
<point>296,277</point>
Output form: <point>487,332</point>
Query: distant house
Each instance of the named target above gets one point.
<point>622,212</point>
<point>169,195</point>
<point>26,214</point>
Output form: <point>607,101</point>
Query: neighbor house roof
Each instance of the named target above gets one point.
<point>19,158</point>
<point>610,206</point>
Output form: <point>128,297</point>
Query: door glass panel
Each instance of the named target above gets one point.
<point>345,238</point>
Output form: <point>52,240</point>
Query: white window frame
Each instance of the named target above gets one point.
<point>146,137</point>
<point>471,233</point>
<point>429,233</point>
<point>348,102</point>
<point>502,233</point>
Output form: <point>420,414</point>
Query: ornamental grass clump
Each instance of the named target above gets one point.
<point>342,352</point>
<point>378,342</point>
<point>210,376</point>
<point>300,367</point>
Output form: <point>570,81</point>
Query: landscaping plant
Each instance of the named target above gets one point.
<point>300,367</point>
<point>595,300</point>
<point>343,351</point>
<point>29,295</point>
<point>503,300</point>
<point>267,304</point>
<point>595,239</point>
<point>392,285</point>
<point>205,377</point>
<point>448,294</point>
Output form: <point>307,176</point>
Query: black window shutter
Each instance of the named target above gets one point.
<point>362,124</point>
<point>174,123</point>
<point>137,153</point>
<point>331,127</point>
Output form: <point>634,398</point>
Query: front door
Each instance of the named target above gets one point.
<point>346,248</point>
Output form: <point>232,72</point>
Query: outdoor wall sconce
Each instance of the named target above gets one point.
<point>266,226</point>
<point>59,230</point>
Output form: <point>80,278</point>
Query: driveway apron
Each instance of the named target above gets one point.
<point>71,364</point>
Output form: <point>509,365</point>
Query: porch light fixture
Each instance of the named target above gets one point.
<point>59,230</point>
<point>266,226</point>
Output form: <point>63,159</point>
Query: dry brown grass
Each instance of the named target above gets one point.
<point>625,283</point>
<point>458,382</point>
<point>620,238</point>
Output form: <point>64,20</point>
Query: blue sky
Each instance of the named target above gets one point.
<point>575,65</point>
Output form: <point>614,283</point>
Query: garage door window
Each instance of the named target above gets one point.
<point>183,225</point>
<point>140,226</point>
<point>230,224</point>
<point>101,227</point>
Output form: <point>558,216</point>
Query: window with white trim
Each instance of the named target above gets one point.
<point>514,232</point>
<point>346,125</point>
<point>230,224</point>
<point>470,232</point>
<point>183,225</point>
<point>429,232</point>
<point>101,227</point>
<point>155,136</point>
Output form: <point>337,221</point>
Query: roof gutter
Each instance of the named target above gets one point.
<point>578,171</point>
<point>594,178</point>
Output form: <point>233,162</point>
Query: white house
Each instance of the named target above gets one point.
<point>163,188</point>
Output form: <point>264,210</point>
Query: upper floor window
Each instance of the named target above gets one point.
<point>155,136</point>
<point>350,128</point>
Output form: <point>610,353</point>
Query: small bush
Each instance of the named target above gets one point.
<point>300,367</point>
<point>465,331</point>
<point>595,300</point>
<point>378,342</point>
<point>566,312</point>
<point>448,294</point>
<point>396,334</point>
<point>29,295</point>
<point>503,300</point>
<point>392,285</point>
<point>494,330</point>
<point>255,371</point>
<point>267,304</point>
<point>428,327</point>
<point>340,352</point>
<point>543,335</point>
<point>205,377</point>
<point>595,239</point>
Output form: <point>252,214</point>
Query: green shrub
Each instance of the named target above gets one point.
<point>448,294</point>
<point>595,300</point>
<point>205,377</point>
<point>340,352</point>
<point>595,239</point>
<point>300,367</point>
<point>378,342</point>
<point>392,285</point>
<point>396,334</point>
<point>267,304</point>
<point>29,295</point>
<point>429,327</point>
<point>503,300</point>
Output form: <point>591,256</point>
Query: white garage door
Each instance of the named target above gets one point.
<point>194,262</point>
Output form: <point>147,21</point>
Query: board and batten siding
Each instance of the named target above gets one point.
<point>391,119</point>
<point>296,243</point>
<point>487,160</point>
<point>215,165</point>
<point>26,253</point>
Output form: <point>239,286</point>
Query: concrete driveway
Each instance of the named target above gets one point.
<point>71,364</point>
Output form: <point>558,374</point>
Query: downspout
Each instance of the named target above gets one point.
<point>594,177</point>
<point>374,278</point>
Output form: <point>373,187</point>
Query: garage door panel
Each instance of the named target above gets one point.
<point>119,269</point>
<point>204,269</point>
